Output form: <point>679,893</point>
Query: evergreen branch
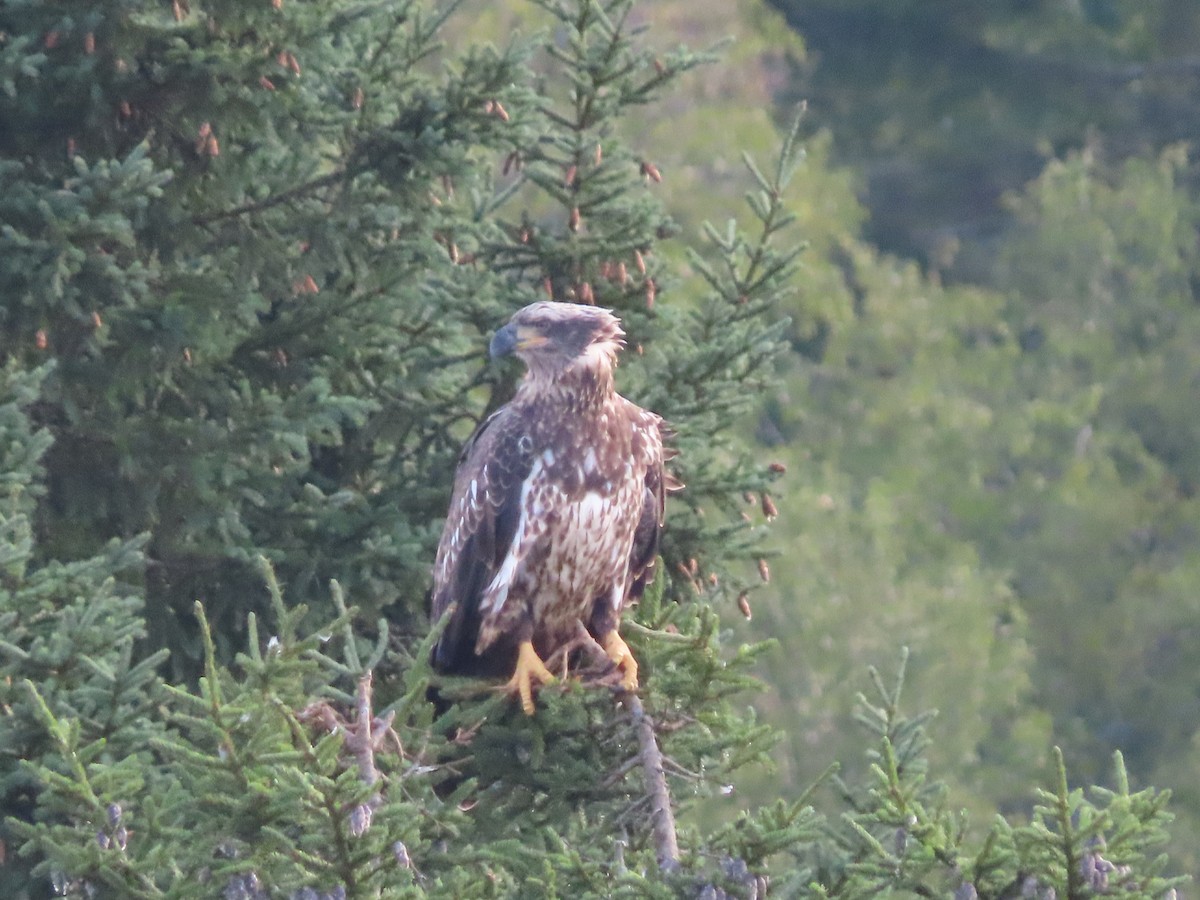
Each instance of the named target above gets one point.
<point>870,840</point>
<point>66,739</point>
<point>14,652</point>
<point>1062,809</point>
<point>352,659</point>
<point>211,689</point>
<point>119,872</point>
<point>380,52</point>
<point>668,637</point>
<point>210,661</point>
<point>326,800</point>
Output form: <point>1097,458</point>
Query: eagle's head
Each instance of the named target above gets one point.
<point>551,338</point>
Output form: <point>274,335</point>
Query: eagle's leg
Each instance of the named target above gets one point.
<point>618,651</point>
<point>529,667</point>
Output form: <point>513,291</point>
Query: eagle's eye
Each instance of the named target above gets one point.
<point>559,333</point>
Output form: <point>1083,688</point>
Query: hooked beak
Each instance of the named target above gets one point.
<point>512,338</point>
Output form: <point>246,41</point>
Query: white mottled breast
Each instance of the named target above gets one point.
<point>580,507</point>
<point>589,556</point>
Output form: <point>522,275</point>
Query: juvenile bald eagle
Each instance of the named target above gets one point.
<point>556,509</point>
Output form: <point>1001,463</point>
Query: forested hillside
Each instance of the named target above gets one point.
<point>997,457</point>
<point>945,107</point>
<point>927,335</point>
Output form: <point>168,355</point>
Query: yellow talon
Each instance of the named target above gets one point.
<point>529,667</point>
<point>618,651</point>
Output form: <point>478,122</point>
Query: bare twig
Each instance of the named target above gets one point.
<point>662,816</point>
<point>629,812</point>
<point>275,200</point>
<point>677,769</point>
<point>649,757</point>
<point>584,641</point>
<point>621,771</point>
<point>360,743</point>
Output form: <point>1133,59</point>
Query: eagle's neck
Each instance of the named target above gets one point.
<point>584,386</point>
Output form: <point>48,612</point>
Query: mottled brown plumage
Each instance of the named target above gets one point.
<point>556,510</point>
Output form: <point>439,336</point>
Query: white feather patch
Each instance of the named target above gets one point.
<point>497,591</point>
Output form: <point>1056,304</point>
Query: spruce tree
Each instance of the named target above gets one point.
<point>251,257</point>
<point>264,248</point>
<point>234,228</point>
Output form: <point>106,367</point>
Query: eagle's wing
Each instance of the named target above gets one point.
<point>483,517</point>
<point>645,536</point>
